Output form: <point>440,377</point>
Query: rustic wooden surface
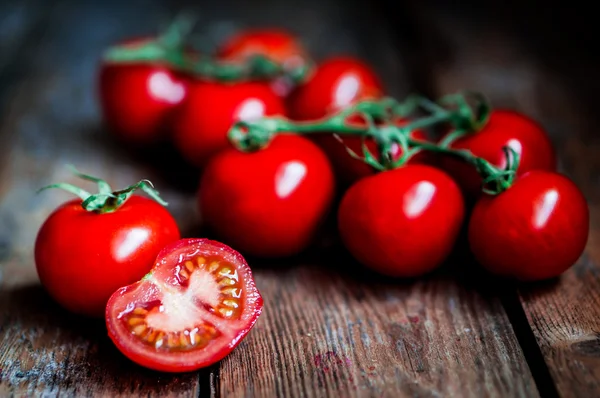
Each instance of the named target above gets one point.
<point>329,328</point>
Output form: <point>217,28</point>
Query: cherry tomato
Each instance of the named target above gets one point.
<point>535,230</point>
<point>349,169</point>
<point>192,309</point>
<point>138,99</point>
<point>505,128</point>
<point>336,83</point>
<point>202,122</point>
<point>82,257</point>
<point>277,44</point>
<point>268,203</point>
<point>403,222</point>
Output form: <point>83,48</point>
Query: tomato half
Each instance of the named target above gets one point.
<point>201,123</point>
<point>192,309</point>
<point>535,230</point>
<point>505,128</point>
<point>137,100</point>
<point>82,257</point>
<point>275,43</point>
<point>267,203</point>
<point>336,83</point>
<point>403,222</point>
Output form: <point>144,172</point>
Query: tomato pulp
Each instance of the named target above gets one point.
<point>535,230</point>
<point>267,203</point>
<point>201,123</point>
<point>403,222</point>
<point>82,257</point>
<point>192,309</point>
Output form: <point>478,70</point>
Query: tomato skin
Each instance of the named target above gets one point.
<point>535,230</point>
<point>82,257</point>
<point>277,44</point>
<point>201,123</point>
<point>271,202</point>
<point>163,286</point>
<point>137,100</point>
<point>504,128</point>
<point>403,222</point>
<point>336,83</point>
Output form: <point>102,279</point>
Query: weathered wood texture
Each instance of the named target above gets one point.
<point>548,71</point>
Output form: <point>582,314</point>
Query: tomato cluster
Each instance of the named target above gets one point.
<point>275,136</point>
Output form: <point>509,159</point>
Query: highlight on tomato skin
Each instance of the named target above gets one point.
<point>193,308</point>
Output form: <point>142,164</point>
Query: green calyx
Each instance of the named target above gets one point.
<point>170,49</point>
<point>390,125</point>
<point>106,200</point>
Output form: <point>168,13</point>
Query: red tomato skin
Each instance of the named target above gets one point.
<point>181,362</point>
<point>350,170</point>
<point>336,83</point>
<point>137,100</point>
<point>82,257</point>
<point>269,203</point>
<point>277,44</point>
<point>403,222</point>
<point>504,128</point>
<point>202,122</point>
<point>535,230</point>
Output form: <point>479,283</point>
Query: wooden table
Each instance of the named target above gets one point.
<point>328,329</point>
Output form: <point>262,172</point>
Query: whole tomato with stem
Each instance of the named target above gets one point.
<point>137,98</point>
<point>534,230</point>
<point>403,222</point>
<point>201,123</point>
<point>89,247</point>
<point>274,43</point>
<point>504,128</point>
<point>270,202</point>
<point>191,310</point>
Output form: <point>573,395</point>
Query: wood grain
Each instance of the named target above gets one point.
<point>553,84</point>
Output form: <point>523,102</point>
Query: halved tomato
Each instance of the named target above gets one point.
<point>192,309</point>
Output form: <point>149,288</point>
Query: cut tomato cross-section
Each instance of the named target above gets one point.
<point>194,307</point>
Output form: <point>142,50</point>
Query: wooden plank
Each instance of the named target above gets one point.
<point>50,119</point>
<point>516,70</point>
<point>330,330</point>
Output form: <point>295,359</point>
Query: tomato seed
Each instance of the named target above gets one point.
<point>189,265</point>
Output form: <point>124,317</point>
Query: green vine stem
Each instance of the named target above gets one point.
<point>467,112</point>
<point>170,49</point>
<point>106,200</point>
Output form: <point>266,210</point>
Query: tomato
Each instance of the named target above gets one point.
<point>505,128</point>
<point>336,83</point>
<point>349,169</point>
<point>82,257</point>
<point>403,222</point>
<point>138,99</point>
<point>201,123</point>
<point>535,230</point>
<point>192,309</point>
<point>277,44</point>
<point>268,203</point>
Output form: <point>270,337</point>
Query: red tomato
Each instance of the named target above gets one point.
<point>336,83</point>
<point>535,230</point>
<point>202,122</point>
<point>82,257</point>
<point>349,169</point>
<point>403,222</point>
<point>505,128</point>
<point>277,44</point>
<point>137,99</point>
<point>268,203</point>
<point>194,307</point>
